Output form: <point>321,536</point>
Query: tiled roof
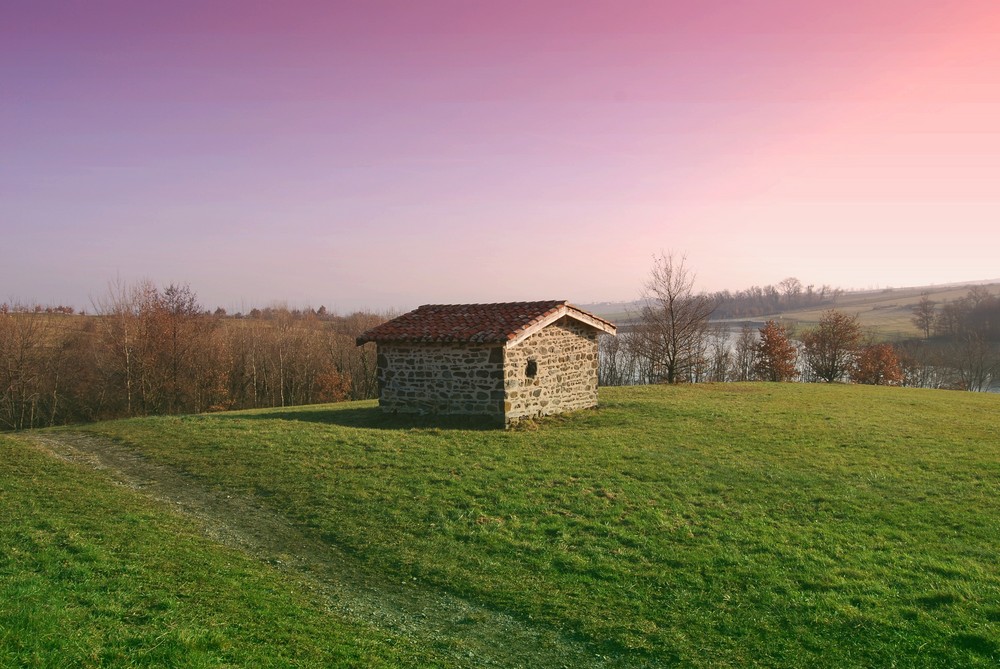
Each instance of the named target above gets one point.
<point>472,323</point>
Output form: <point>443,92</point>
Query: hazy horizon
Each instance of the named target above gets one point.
<point>243,307</point>
<point>389,154</point>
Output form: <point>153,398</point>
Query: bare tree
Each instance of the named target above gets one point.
<point>977,295</point>
<point>975,360</point>
<point>745,353</point>
<point>925,364</point>
<point>22,339</point>
<point>950,319</point>
<point>672,324</point>
<point>609,356</point>
<point>923,315</point>
<point>720,354</point>
<point>177,317</point>
<point>119,357</point>
<point>792,288</point>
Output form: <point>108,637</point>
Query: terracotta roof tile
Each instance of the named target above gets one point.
<point>468,323</point>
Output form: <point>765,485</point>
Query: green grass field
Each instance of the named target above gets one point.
<point>701,526</point>
<point>93,575</point>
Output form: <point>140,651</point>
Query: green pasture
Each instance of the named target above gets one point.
<point>731,525</point>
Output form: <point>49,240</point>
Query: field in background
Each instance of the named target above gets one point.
<point>701,525</point>
<point>887,311</point>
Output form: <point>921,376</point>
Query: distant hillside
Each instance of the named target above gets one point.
<point>889,310</point>
<point>616,312</point>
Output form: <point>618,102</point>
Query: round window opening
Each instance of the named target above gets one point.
<point>532,369</point>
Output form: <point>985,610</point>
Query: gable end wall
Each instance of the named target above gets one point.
<point>565,353</point>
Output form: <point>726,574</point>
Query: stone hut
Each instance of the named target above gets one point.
<point>511,360</point>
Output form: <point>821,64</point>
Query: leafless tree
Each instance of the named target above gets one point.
<point>745,353</point>
<point>923,314</point>
<point>621,362</point>
<point>22,341</point>
<point>178,332</point>
<point>925,365</point>
<point>975,360</point>
<point>609,356</point>
<point>977,295</point>
<point>792,288</point>
<point>720,353</point>
<point>672,323</point>
<point>119,356</point>
<point>949,320</point>
<point>357,363</point>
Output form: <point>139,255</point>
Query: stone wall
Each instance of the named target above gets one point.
<point>563,376</point>
<point>552,371</point>
<point>441,378</point>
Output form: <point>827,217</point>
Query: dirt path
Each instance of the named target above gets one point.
<point>463,631</point>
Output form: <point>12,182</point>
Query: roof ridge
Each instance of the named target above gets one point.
<point>490,304</point>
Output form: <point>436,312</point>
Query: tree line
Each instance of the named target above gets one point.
<point>788,295</point>
<point>147,350</point>
<point>672,339</point>
<point>961,340</point>
<point>834,351</point>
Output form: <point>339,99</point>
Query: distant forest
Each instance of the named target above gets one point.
<point>788,295</point>
<point>148,350</point>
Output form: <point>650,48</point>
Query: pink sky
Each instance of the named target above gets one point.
<point>388,154</point>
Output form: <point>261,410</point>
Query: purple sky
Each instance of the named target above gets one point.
<point>388,154</point>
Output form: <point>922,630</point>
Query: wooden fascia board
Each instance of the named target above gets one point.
<point>556,315</point>
<point>584,317</point>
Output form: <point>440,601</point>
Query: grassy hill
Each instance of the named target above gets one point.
<point>702,526</point>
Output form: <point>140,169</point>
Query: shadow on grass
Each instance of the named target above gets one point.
<point>976,644</point>
<point>372,418</point>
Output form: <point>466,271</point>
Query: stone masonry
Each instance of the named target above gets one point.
<point>442,379</point>
<point>563,377</point>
